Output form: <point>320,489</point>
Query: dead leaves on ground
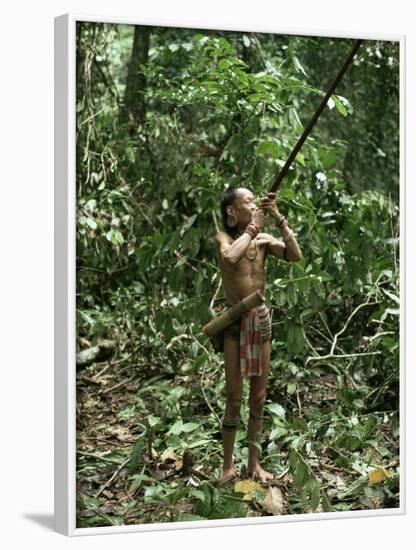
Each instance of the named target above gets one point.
<point>169,457</point>
<point>273,502</point>
<point>270,498</point>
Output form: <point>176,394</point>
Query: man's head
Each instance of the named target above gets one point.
<point>237,208</point>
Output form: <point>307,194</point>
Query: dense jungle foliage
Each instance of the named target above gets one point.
<point>166,120</point>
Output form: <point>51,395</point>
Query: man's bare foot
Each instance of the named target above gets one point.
<point>227,476</point>
<point>258,474</point>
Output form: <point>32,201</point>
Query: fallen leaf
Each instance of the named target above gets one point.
<point>248,488</point>
<point>340,483</point>
<point>273,501</point>
<point>178,464</point>
<point>89,402</point>
<point>378,475</point>
<point>122,434</point>
<point>168,454</point>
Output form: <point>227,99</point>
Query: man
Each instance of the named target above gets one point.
<point>242,251</point>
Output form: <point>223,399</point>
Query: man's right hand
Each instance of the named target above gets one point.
<point>259,217</point>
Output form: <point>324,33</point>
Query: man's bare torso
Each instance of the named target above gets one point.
<point>247,275</point>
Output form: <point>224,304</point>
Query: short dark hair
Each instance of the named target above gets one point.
<point>227,199</point>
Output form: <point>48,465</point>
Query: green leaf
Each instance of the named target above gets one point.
<point>127,413</point>
<point>92,223</point>
<point>301,159</point>
<point>86,317</point>
<point>278,432</point>
<point>315,497</point>
<point>213,88</point>
<point>136,455</point>
<point>298,65</point>
<point>224,64</point>
<point>137,481</point>
<point>176,429</point>
<point>291,388</point>
<point>115,237</point>
<point>190,427</point>
<point>292,295</point>
<point>153,420</point>
<point>293,461</point>
<point>347,441</point>
<point>300,475</point>
<point>294,117</point>
<point>200,360</point>
<point>356,488</point>
<point>153,494</point>
<point>176,442</point>
<point>340,106</point>
<point>390,343</point>
<point>326,504</point>
<point>198,494</point>
<point>276,409</point>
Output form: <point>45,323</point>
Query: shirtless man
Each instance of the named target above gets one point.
<point>242,250</point>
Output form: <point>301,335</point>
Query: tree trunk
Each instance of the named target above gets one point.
<point>134,105</point>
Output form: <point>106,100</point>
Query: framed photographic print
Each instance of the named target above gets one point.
<point>228,276</point>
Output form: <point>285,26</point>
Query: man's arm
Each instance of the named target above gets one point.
<point>288,249</point>
<point>231,252</point>
<point>274,246</point>
<point>292,252</point>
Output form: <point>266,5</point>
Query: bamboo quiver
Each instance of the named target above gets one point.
<point>233,313</point>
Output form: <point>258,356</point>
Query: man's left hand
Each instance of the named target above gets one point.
<point>268,204</point>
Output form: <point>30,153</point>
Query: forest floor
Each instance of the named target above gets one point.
<point>149,450</point>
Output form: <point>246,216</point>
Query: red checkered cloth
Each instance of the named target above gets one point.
<point>255,329</point>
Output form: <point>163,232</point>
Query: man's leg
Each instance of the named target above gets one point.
<point>257,397</point>
<point>234,389</point>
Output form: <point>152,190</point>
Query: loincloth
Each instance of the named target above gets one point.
<point>254,328</point>
<point>233,331</point>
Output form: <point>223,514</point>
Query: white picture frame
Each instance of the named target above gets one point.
<point>65,283</point>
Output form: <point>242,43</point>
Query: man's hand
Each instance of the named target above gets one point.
<point>268,205</point>
<point>272,245</point>
<point>259,217</point>
<point>265,240</point>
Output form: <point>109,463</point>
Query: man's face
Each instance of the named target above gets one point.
<point>244,206</point>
